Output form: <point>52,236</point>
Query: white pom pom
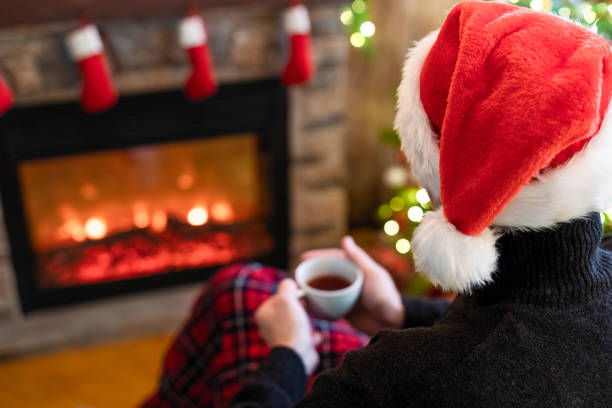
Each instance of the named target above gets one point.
<point>451,259</point>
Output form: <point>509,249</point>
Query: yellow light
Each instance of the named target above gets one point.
<point>140,215</point>
<point>514,1</point>
<point>391,228</point>
<point>422,197</point>
<point>197,216</point>
<point>537,4</point>
<point>346,17</point>
<point>185,181</point>
<point>396,204</point>
<point>95,228</point>
<point>222,212</point>
<point>402,246</point>
<point>384,211</point>
<point>602,217</point>
<point>565,12</point>
<point>357,40</point>
<point>159,221</point>
<point>89,191</point>
<point>75,230</point>
<point>358,6</point>
<point>141,219</point>
<point>415,214</point>
<point>368,29</point>
<point>589,16</point>
<point>410,196</point>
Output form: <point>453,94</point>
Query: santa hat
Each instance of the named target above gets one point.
<point>503,114</point>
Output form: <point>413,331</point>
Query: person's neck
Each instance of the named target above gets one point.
<point>555,267</point>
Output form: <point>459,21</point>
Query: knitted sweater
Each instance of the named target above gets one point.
<point>540,335</point>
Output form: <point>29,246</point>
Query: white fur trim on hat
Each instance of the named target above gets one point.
<point>580,186</point>
<point>451,259</point>
<point>192,32</point>
<point>297,20</point>
<point>419,141</point>
<point>84,42</point>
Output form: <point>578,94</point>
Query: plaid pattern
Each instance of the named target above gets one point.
<point>219,346</point>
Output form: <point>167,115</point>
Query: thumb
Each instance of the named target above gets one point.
<point>356,254</point>
<point>288,288</point>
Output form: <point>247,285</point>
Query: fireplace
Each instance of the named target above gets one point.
<point>157,191</point>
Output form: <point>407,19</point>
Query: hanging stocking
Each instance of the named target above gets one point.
<point>6,97</point>
<point>300,67</point>
<point>192,36</point>
<point>86,48</point>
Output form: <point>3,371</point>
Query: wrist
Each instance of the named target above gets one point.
<point>395,316</point>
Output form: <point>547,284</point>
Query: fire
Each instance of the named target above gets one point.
<point>95,228</point>
<point>185,181</point>
<point>159,221</point>
<point>141,216</point>
<point>222,212</point>
<point>197,216</point>
<point>75,230</point>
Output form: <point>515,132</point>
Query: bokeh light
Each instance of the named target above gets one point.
<point>391,228</point>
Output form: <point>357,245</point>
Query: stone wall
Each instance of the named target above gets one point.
<point>247,43</point>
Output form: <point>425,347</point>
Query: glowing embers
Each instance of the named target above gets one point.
<point>142,252</point>
<point>95,228</point>
<point>197,216</point>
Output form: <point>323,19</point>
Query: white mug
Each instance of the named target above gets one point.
<point>329,304</point>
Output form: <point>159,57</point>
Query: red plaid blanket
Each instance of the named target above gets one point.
<point>219,346</point>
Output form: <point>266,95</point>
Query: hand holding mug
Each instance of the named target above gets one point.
<point>283,322</point>
<point>380,304</point>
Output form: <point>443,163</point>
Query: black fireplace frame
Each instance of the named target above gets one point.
<point>63,129</point>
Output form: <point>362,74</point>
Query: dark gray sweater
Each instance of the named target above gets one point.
<point>539,336</point>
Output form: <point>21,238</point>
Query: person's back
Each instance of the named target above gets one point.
<point>505,118</point>
<point>539,336</point>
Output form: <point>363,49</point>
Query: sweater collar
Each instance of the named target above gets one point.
<point>554,267</point>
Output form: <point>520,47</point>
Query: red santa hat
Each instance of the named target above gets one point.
<point>504,116</point>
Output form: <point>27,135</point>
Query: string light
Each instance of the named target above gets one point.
<point>595,16</point>
<point>402,246</point>
<point>422,197</point>
<point>385,212</point>
<point>357,40</point>
<point>565,12</point>
<point>391,228</point>
<point>367,29</point>
<point>358,6</point>
<point>396,204</point>
<point>346,17</point>
<point>415,214</point>
<point>589,16</point>
<point>536,4</point>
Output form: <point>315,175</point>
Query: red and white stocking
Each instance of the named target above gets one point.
<point>6,97</point>
<point>192,37</point>
<point>86,48</point>
<point>300,67</point>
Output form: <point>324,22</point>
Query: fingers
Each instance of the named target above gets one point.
<point>317,338</point>
<point>326,253</point>
<point>358,255</point>
<point>288,288</point>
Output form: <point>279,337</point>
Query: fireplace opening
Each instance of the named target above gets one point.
<point>155,192</point>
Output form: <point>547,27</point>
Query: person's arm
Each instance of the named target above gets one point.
<point>279,382</point>
<point>422,312</point>
<point>282,376</point>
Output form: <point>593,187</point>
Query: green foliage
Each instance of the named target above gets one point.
<point>595,15</point>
